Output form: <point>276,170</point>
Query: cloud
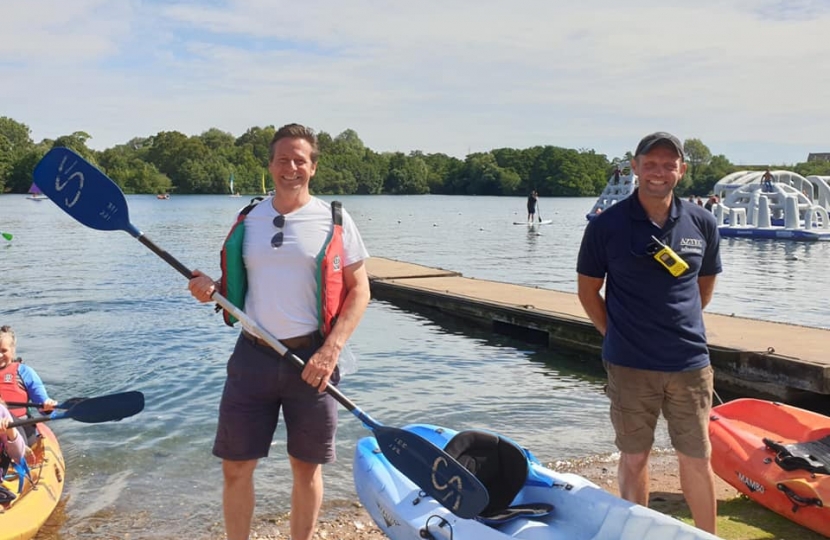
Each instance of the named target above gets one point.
<point>446,76</point>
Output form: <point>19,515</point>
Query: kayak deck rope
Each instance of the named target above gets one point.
<point>425,532</point>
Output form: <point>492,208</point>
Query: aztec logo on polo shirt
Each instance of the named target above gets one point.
<point>691,245</point>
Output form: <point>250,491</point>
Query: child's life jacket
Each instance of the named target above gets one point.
<point>331,290</point>
<point>13,388</point>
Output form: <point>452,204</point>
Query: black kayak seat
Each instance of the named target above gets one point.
<point>811,456</point>
<point>502,466</point>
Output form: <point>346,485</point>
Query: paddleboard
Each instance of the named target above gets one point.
<point>543,222</point>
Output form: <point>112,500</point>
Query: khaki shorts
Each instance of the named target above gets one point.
<point>638,396</point>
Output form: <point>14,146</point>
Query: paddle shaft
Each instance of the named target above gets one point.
<point>65,405</point>
<point>443,478</point>
<point>24,404</point>
<point>30,421</point>
<point>258,330</point>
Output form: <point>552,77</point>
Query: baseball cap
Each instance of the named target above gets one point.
<point>657,138</point>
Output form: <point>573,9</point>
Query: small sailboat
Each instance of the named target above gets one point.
<point>264,192</point>
<point>35,193</point>
<point>230,186</point>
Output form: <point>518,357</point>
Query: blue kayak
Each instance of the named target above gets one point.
<point>527,500</point>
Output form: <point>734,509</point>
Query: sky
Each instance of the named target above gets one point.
<point>749,78</point>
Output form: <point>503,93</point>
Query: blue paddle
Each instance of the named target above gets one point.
<point>95,410</point>
<point>89,196</point>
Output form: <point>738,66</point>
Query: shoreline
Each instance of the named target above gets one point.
<point>348,520</point>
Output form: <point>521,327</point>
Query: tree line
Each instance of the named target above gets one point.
<point>171,161</point>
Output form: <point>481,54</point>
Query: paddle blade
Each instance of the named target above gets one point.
<point>433,470</point>
<point>106,408</point>
<point>83,191</point>
<point>7,236</point>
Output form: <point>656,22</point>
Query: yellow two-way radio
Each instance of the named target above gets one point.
<point>670,260</point>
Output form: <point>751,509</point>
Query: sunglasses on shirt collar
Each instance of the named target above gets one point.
<point>277,239</point>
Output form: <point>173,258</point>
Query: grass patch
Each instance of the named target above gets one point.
<point>741,519</point>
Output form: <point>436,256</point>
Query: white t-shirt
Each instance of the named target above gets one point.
<point>282,287</point>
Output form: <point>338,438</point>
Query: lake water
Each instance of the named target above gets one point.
<point>96,313</point>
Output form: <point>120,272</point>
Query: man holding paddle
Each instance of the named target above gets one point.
<point>84,192</point>
<point>285,238</point>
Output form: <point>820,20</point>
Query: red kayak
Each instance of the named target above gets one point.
<point>777,455</point>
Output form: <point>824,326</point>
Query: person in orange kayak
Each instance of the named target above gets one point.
<point>19,382</point>
<point>11,442</point>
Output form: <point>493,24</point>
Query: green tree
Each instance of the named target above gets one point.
<point>370,175</point>
<point>217,140</point>
<point>18,133</point>
<point>442,169</point>
<point>19,175</point>
<point>708,175</point>
<point>15,139</point>
<point>520,161</point>
<point>77,142</point>
<point>487,178</point>
<point>698,155</point>
<point>407,175</point>
<point>124,165</point>
<point>203,175</point>
<point>348,142</point>
<point>813,168</point>
<point>181,157</point>
<point>333,182</point>
<point>257,140</point>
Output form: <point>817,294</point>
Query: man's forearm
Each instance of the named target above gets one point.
<point>594,306</point>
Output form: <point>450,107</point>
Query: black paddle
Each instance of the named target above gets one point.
<point>64,405</point>
<point>93,199</point>
<point>95,410</point>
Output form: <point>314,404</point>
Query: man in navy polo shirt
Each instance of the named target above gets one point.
<point>657,257</point>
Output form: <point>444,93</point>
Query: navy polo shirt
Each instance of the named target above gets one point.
<point>655,320</point>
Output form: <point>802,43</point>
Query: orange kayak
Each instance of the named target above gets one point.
<point>777,455</point>
<point>24,516</point>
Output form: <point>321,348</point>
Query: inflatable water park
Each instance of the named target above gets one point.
<point>786,206</point>
<point>621,184</point>
<point>751,204</point>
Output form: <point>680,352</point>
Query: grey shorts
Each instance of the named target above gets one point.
<point>638,396</point>
<point>260,383</point>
